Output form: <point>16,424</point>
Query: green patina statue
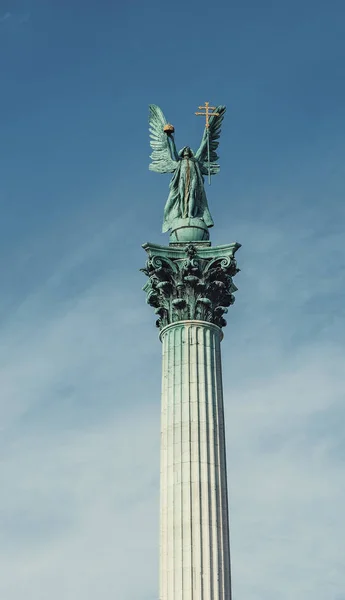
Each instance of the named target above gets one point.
<point>187,201</point>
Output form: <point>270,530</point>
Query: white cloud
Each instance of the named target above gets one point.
<point>287,482</point>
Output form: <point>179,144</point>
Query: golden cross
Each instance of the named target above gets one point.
<point>207,108</point>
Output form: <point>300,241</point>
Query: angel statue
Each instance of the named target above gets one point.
<point>187,197</point>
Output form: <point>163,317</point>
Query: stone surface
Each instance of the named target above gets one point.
<point>194,528</point>
<point>190,281</point>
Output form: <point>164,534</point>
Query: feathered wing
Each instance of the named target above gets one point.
<point>213,131</point>
<point>162,161</point>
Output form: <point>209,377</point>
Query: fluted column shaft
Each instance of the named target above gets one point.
<point>194,526</point>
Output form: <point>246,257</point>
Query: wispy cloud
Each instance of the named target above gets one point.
<point>5,17</point>
<point>17,18</point>
<point>287,476</point>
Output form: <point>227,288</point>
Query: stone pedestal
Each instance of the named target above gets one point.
<point>190,287</point>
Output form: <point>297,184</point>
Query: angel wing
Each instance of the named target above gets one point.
<point>162,159</point>
<point>213,131</point>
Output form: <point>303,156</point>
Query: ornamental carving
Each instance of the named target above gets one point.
<point>192,282</point>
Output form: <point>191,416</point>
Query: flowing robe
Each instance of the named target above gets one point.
<point>187,196</point>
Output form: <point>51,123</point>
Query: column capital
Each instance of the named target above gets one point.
<point>192,281</point>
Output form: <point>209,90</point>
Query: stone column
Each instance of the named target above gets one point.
<point>190,286</point>
<point>194,529</point>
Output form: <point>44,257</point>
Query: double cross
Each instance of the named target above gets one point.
<point>207,108</point>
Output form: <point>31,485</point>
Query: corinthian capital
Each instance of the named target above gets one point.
<point>191,282</point>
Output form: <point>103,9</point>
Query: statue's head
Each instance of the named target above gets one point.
<point>186,152</point>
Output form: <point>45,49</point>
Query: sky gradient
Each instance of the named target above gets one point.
<point>80,358</point>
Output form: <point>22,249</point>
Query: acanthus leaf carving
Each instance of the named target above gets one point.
<point>190,282</point>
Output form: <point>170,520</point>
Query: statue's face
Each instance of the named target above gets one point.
<point>187,152</point>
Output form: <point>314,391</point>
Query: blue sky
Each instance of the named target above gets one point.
<point>79,353</point>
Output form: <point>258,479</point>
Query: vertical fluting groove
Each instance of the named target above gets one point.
<point>191,378</point>
<point>218,485</point>
<point>194,524</point>
<point>180,455</point>
<point>224,538</point>
<point>192,393</point>
<point>202,457</point>
<point>187,503</point>
<point>222,461</point>
<point>185,460</point>
<point>178,467</point>
<point>203,473</point>
<point>162,474</point>
<point>225,502</point>
<point>166,469</point>
<point>222,525</point>
<point>205,479</point>
<point>200,474</point>
<point>185,454</point>
<point>171,571</point>
<point>176,528</point>
<point>167,438</point>
<point>182,342</point>
<point>173,404</point>
<point>198,552</point>
<point>163,470</point>
<point>210,403</point>
<point>213,475</point>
